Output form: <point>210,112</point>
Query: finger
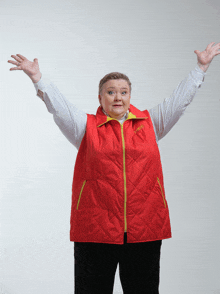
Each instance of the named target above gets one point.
<point>217,46</point>
<point>17,58</point>
<point>13,62</point>
<point>210,45</point>
<point>21,56</point>
<point>15,68</point>
<point>215,49</point>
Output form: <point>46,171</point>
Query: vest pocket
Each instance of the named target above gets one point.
<point>80,193</point>
<point>162,192</point>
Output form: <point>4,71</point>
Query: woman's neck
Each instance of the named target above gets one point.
<point>124,117</point>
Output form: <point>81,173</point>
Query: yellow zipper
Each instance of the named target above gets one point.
<point>124,172</point>
<point>125,188</point>
<point>80,194</point>
<point>130,116</point>
<point>161,192</point>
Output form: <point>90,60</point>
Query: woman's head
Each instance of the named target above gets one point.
<point>113,76</point>
<point>115,94</point>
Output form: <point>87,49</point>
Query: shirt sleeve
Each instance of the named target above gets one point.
<point>166,114</point>
<point>70,120</point>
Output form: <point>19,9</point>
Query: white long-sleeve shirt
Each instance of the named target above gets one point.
<point>72,121</point>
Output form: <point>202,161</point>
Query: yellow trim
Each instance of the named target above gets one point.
<point>109,118</point>
<point>80,194</point>
<point>139,128</point>
<point>101,124</point>
<point>161,192</point>
<point>130,116</point>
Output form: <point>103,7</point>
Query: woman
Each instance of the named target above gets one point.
<point>119,210</point>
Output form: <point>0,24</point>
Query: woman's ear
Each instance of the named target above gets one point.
<point>99,99</point>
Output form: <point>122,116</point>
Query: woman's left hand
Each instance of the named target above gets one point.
<point>205,57</point>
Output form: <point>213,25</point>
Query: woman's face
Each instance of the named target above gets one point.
<point>115,92</point>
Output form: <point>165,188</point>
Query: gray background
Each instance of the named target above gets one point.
<point>77,43</point>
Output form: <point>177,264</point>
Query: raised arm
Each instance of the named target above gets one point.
<point>166,114</point>
<point>70,120</point>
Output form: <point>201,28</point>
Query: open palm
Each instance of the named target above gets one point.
<point>29,67</point>
<point>205,57</point>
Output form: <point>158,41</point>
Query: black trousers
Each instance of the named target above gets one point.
<point>96,264</point>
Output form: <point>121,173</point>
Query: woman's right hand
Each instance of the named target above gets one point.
<point>29,67</point>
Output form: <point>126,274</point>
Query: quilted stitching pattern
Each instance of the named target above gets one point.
<point>105,206</point>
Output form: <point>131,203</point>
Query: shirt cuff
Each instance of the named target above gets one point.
<point>41,86</point>
<point>198,76</point>
<point>197,68</point>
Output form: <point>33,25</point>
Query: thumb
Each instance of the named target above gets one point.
<point>197,52</point>
<point>35,60</point>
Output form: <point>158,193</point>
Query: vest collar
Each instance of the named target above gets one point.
<point>103,118</point>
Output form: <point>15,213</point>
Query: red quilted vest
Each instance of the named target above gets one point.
<point>118,182</point>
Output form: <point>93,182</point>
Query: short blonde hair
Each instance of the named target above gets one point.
<point>113,76</point>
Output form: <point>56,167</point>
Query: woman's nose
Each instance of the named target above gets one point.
<point>118,96</point>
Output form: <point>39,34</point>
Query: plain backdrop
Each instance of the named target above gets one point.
<point>77,43</point>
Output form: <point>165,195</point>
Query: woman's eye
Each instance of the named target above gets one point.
<point>112,92</point>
